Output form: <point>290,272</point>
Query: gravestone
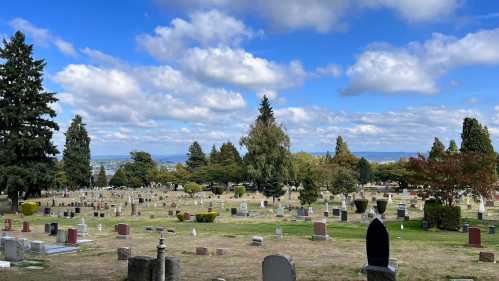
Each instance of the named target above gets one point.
<point>492,229</point>
<point>344,215</point>
<point>278,268</point>
<point>54,228</point>
<point>487,257</point>
<point>466,226</point>
<point>257,241</point>
<point>13,250</point>
<point>378,251</point>
<point>336,212</point>
<point>123,231</point>
<point>38,247</point>
<point>320,231</point>
<point>140,268</point>
<point>474,239</point>
<point>124,253</point>
<point>401,211</point>
<point>82,228</point>
<point>72,236</point>
<point>7,225</point>
<point>62,236</point>
<point>300,212</point>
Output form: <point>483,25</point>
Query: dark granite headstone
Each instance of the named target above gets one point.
<point>377,244</point>
<point>54,227</point>
<point>344,215</point>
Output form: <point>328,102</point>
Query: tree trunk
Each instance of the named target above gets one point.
<point>14,207</point>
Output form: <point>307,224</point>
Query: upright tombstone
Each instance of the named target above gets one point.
<point>7,225</point>
<point>123,231</point>
<point>14,250</point>
<point>54,228</point>
<point>378,252</point>
<point>474,239</point>
<point>278,267</point>
<point>344,215</point>
<point>320,231</point>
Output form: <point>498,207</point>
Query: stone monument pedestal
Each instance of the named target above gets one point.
<point>379,273</point>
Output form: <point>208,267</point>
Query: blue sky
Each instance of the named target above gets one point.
<point>156,75</point>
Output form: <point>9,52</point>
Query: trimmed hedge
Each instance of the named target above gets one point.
<point>360,205</point>
<point>381,205</point>
<point>206,217</point>
<point>218,190</point>
<point>29,208</point>
<point>443,217</point>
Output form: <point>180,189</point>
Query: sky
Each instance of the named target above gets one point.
<point>156,75</point>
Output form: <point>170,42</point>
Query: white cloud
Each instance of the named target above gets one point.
<point>323,15</point>
<point>417,66</point>
<point>102,58</point>
<point>211,28</point>
<point>238,67</point>
<point>141,96</point>
<point>417,11</point>
<point>43,36</point>
<point>329,70</point>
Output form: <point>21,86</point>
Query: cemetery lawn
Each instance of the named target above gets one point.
<point>421,255</point>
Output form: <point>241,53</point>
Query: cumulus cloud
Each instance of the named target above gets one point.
<point>43,36</point>
<point>323,15</point>
<point>417,66</point>
<point>113,95</point>
<point>238,67</point>
<point>211,28</point>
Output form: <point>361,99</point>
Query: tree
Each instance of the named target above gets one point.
<point>138,171</point>
<point>453,149</point>
<point>196,158</point>
<point>214,156</point>
<point>61,181</point>
<point>229,154</point>
<point>344,182</point>
<point>76,154</point>
<point>343,156</point>
<point>310,192</point>
<point>437,150</point>
<point>192,188</point>
<point>268,156</point>
<point>365,171</point>
<point>27,155</point>
<point>101,177</point>
<point>475,138</point>
<point>119,178</point>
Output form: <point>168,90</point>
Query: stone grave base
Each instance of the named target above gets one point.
<point>121,236</point>
<point>58,249</point>
<point>320,237</point>
<point>377,273</point>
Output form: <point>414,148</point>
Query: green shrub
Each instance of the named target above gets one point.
<point>29,208</point>
<point>218,190</point>
<point>239,191</point>
<point>206,217</point>
<point>381,205</point>
<point>443,217</point>
<point>192,188</point>
<point>360,205</point>
<point>180,217</point>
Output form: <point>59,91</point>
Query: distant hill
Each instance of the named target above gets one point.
<point>181,158</point>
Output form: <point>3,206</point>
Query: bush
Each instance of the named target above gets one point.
<point>206,217</point>
<point>192,188</point>
<point>360,205</point>
<point>218,190</point>
<point>180,217</point>
<point>443,217</point>
<point>239,191</point>
<point>29,208</point>
<point>381,205</point>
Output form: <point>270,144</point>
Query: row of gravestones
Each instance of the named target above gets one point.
<point>279,267</point>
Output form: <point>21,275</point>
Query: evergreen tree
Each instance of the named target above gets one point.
<point>229,154</point>
<point>27,155</point>
<point>453,149</point>
<point>77,154</point>
<point>328,159</point>
<point>343,156</point>
<point>101,177</point>
<point>437,150</point>
<point>138,171</point>
<point>365,171</point>
<point>268,156</point>
<point>119,179</point>
<point>196,158</point>
<point>310,192</point>
<point>214,156</point>
<point>344,182</point>
<point>475,138</point>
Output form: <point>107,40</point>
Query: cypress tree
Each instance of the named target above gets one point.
<point>475,138</point>
<point>453,149</point>
<point>437,150</point>
<point>343,156</point>
<point>27,155</point>
<point>196,158</point>
<point>365,171</point>
<point>268,157</point>
<point>101,177</point>
<point>310,192</point>
<point>77,155</point>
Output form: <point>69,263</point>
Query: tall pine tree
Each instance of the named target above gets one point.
<point>343,156</point>
<point>101,177</point>
<point>268,156</point>
<point>77,155</point>
<point>196,158</point>
<point>452,149</point>
<point>437,150</point>
<point>365,171</point>
<point>475,138</point>
<point>27,155</point>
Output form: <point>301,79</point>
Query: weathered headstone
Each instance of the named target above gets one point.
<point>14,250</point>
<point>278,268</point>
<point>124,253</point>
<point>474,239</point>
<point>378,250</point>
<point>487,257</point>
<point>320,231</point>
